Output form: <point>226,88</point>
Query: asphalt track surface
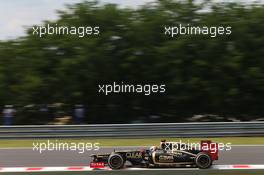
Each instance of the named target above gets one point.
<point>26,157</point>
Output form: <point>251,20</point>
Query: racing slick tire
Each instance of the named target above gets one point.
<point>203,160</point>
<point>116,161</point>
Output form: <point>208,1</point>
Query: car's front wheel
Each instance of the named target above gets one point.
<point>203,160</point>
<point>116,161</point>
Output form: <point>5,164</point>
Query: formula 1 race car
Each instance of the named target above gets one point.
<point>168,154</point>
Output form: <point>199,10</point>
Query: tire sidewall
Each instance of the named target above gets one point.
<point>116,156</point>
<point>199,164</point>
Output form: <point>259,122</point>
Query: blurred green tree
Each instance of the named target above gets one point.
<point>222,75</point>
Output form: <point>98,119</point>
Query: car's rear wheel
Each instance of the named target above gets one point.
<point>116,161</point>
<point>203,160</point>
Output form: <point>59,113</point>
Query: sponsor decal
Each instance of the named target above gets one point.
<point>97,165</point>
<point>134,155</point>
<point>164,158</point>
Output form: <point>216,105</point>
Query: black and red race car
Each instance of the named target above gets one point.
<point>168,154</point>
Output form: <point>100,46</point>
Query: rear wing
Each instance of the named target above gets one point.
<point>211,148</point>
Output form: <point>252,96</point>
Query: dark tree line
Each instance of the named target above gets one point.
<point>203,75</point>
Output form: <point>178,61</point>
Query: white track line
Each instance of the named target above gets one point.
<point>243,166</point>
<point>87,168</point>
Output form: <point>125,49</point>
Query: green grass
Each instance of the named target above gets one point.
<point>178,172</point>
<point>134,142</point>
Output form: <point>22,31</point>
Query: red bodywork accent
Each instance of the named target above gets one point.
<point>97,165</point>
<point>211,148</point>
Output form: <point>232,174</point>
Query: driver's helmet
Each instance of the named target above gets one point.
<point>163,144</point>
<point>153,148</point>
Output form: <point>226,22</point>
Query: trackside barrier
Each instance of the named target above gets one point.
<point>205,129</point>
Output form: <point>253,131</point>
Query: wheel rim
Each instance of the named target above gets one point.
<point>116,161</point>
<point>203,160</point>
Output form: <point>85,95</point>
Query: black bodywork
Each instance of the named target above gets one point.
<point>157,158</point>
